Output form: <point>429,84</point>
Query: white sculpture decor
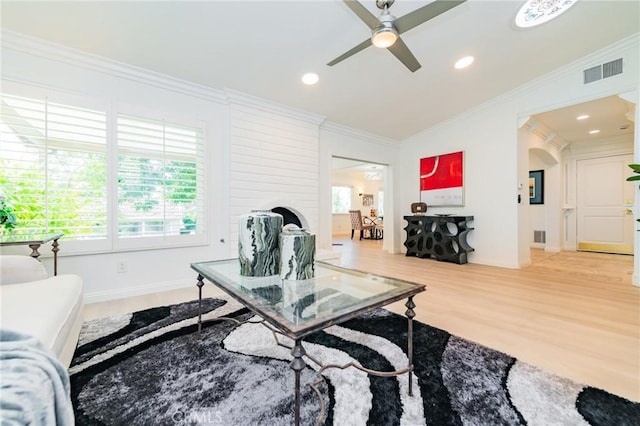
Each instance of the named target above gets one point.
<point>259,243</point>
<point>297,254</point>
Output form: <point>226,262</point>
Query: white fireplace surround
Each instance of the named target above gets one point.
<point>286,205</point>
<point>321,254</point>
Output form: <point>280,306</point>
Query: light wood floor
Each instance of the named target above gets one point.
<point>574,314</point>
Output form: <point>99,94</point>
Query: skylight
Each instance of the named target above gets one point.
<point>536,12</point>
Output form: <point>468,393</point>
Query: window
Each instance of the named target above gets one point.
<point>53,167</point>
<point>62,170</point>
<point>380,203</point>
<point>341,199</point>
<point>158,174</point>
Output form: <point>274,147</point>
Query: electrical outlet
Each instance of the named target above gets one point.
<point>122,267</point>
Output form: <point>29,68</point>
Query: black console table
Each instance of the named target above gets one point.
<point>441,237</point>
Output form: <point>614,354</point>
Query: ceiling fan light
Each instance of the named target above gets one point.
<point>384,36</point>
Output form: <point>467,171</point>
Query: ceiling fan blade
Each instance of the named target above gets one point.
<point>419,16</point>
<point>363,13</point>
<point>402,52</point>
<point>351,52</point>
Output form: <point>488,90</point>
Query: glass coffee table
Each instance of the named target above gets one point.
<point>299,308</point>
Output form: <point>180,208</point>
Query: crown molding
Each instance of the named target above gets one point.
<point>56,52</point>
<point>235,97</point>
<point>605,54</point>
<point>358,134</point>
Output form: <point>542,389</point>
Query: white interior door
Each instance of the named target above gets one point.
<point>604,205</point>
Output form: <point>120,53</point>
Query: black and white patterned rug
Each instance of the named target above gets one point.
<point>150,368</point>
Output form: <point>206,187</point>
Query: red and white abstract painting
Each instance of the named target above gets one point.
<point>441,180</point>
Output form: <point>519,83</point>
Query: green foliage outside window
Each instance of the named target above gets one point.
<point>73,202</point>
<point>7,218</point>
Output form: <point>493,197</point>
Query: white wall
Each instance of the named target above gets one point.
<point>489,137</point>
<point>273,162</point>
<point>543,154</point>
<point>537,221</point>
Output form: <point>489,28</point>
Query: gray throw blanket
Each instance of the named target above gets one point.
<point>34,385</point>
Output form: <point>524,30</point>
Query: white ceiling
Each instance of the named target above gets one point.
<point>263,47</point>
<point>611,115</point>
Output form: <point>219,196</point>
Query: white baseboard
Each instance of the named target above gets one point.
<point>106,295</point>
<point>103,296</point>
<point>322,254</point>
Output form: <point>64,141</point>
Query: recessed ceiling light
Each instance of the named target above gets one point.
<point>463,62</point>
<point>582,117</point>
<point>310,78</point>
<point>593,132</point>
<point>536,12</point>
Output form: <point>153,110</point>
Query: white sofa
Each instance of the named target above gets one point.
<point>48,308</point>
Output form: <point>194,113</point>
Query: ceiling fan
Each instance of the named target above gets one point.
<point>386,30</point>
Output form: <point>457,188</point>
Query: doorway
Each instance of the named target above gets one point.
<point>357,185</point>
<point>592,144</point>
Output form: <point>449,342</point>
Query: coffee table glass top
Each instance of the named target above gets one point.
<point>22,239</point>
<point>299,308</point>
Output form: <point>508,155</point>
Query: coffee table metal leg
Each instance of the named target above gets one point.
<point>55,249</point>
<point>34,250</point>
<point>200,283</point>
<point>297,365</point>
<point>410,313</point>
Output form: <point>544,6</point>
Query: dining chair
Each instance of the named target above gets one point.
<point>360,223</point>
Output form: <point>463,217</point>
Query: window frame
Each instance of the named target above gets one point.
<point>162,241</point>
<point>112,242</point>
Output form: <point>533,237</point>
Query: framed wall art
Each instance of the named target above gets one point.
<point>536,187</point>
<point>442,180</point>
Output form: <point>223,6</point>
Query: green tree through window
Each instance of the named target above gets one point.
<point>53,167</point>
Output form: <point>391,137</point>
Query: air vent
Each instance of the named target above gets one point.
<point>592,74</point>
<point>599,72</point>
<point>612,68</point>
<point>539,236</point>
